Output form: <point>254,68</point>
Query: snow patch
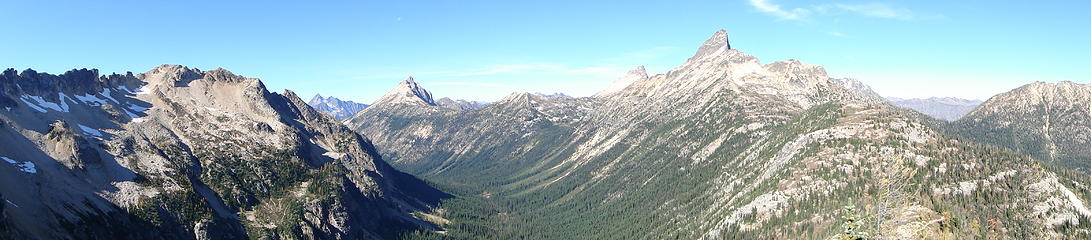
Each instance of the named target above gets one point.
<point>64,105</point>
<point>106,93</point>
<point>137,108</point>
<point>32,106</point>
<point>46,104</point>
<point>27,167</point>
<point>88,98</point>
<point>143,90</point>
<point>89,130</point>
<point>334,155</point>
<point>138,119</point>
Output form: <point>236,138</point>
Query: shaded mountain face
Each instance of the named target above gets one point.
<point>1049,121</point>
<point>178,153</point>
<point>721,147</point>
<point>946,108</point>
<point>336,108</point>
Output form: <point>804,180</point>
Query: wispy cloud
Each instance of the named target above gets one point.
<point>775,10</point>
<point>873,9</point>
<point>608,68</point>
<point>507,68</point>
<point>876,10</point>
<point>472,84</point>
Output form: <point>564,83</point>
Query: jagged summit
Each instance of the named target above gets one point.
<point>716,67</point>
<point>408,92</point>
<point>717,43</point>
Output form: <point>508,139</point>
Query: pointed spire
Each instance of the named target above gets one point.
<point>716,43</point>
<point>407,91</point>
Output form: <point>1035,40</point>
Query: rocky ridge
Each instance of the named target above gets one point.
<point>180,153</point>
<point>1049,121</point>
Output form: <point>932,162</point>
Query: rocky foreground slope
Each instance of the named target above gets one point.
<point>1049,121</point>
<point>179,153</point>
<point>721,147</point>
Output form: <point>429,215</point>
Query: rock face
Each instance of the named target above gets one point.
<point>179,153</point>
<point>1049,121</point>
<point>724,146</point>
<point>946,108</point>
<point>336,108</point>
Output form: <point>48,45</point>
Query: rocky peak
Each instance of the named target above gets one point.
<point>717,44</point>
<point>635,75</point>
<point>170,74</point>
<point>220,74</point>
<point>793,67</point>
<point>857,87</point>
<point>408,92</point>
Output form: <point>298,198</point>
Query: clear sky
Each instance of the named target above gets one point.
<point>484,50</point>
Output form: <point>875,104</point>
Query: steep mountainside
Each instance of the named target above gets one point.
<point>178,153</point>
<point>946,108</point>
<point>722,146</point>
<point>1049,121</point>
<point>335,107</point>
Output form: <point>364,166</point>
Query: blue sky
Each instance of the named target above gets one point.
<point>484,50</point>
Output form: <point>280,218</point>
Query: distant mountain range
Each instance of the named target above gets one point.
<point>342,110</point>
<point>944,108</point>
<point>336,108</point>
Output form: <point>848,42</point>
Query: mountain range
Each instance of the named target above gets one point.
<point>341,110</point>
<point>723,146</point>
<point>180,153</point>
